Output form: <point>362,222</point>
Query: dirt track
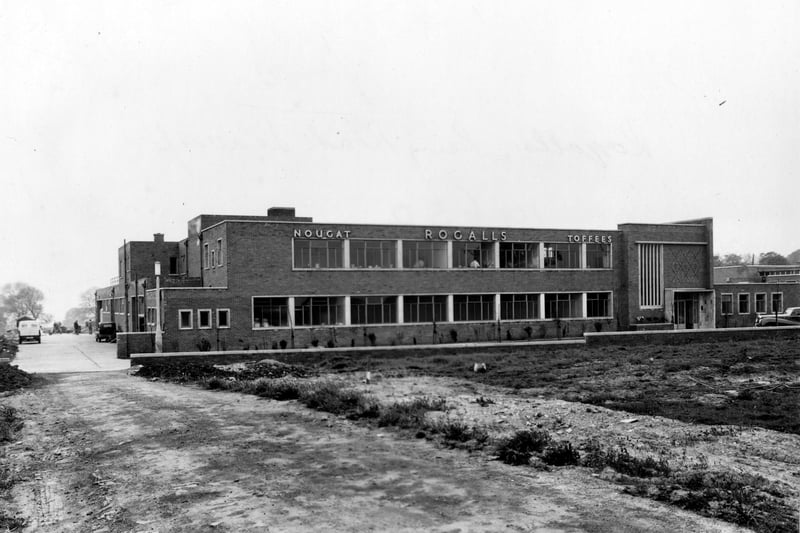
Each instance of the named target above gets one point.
<point>113,452</point>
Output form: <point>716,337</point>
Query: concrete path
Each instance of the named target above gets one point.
<point>68,352</point>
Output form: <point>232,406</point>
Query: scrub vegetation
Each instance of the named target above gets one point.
<point>11,379</point>
<point>727,386</point>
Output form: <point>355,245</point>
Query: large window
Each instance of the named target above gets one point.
<point>519,306</point>
<point>373,254</point>
<point>424,308</point>
<point>270,312</point>
<point>564,305</point>
<point>373,309</point>
<point>473,254</point>
<point>309,253</point>
<point>598,255</point>
<point>761,302</point>
<point>318,311</point>
<point>651,283</point>
<point>743,303</point>
<point>562,255</point>
<point>473,307</point>
<point>598,304</point>
<point>424,254</point>
<point>726,304</point>
<point>519,255</point>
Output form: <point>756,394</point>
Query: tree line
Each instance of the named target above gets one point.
<point>768,258</point>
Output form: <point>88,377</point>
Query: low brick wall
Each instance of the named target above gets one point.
<point>317,354</point>
<point>136,342</point>
<point>686,336</point>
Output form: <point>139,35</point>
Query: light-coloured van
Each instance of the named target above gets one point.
<point>29,330</point>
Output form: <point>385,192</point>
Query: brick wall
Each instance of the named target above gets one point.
<point>128,343</point>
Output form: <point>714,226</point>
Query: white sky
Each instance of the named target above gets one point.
<point>122,119</point>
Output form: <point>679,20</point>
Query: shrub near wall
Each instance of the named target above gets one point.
<point>400,335</point>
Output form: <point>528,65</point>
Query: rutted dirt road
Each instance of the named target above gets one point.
<point>112,452</point>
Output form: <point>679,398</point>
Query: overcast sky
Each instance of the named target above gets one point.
<point>123,119</point>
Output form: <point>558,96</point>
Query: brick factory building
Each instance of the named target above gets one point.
<point>276,281</point>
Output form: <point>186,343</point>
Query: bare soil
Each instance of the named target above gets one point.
<point>116,452</point>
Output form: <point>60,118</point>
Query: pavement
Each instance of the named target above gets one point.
<point>68,352</point>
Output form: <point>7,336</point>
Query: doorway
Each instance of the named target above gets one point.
<point>686,310</point>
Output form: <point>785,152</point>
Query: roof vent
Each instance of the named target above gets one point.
<point>281,213</point>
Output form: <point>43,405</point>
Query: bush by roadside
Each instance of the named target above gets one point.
<point>11,378</point>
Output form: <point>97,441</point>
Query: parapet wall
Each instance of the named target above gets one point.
<point>134,342</point>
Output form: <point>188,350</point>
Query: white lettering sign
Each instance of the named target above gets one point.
<point>321,234</point>
<point>472,235</point>
<point>597,239</point>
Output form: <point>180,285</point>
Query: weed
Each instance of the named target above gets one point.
<point>561,454</point>
<point>455,432</point>
<point>332,398</point>
<point>409,414</point>
<point>623,462</point>
<point>10,423</point>
<point>519,448</point>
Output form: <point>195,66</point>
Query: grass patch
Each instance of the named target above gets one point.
<point>333,398</point>
<point>409,415</point>
<point>460,435</point>
<point>10,423</point>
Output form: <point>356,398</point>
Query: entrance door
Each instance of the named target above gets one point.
<point>686,311</point>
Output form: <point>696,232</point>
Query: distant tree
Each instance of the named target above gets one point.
<point>20,299</point>
<point>85,309</point>
<point>772,258</point>
<point>732,260</point>
<point>794,257</point>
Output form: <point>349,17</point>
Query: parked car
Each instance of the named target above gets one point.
<point>790,317</point>
<point>106,331</point>
<point>29,330</point>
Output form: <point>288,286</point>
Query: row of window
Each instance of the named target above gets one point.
<point>332,310</point>
<point>743,303</point>
<point>310,253</point>
<point>213,257</point>
<point>204,317</point>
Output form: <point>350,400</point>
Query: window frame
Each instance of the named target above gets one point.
<point>510,301</point>
<point>607,256</point>
<point>200,313</point>
<point>466,304</point>
<point>573,301</point>
<point>608,303</point>
<point>412,255</point>
<point>739,302</point>
<point>227,313</point>
<point>511,251</point>
<point>355,246</point>
<point>465,252</point>
<point>779,294</point>
<point>190,314</point>
<point>438,305</point>
<point>554,248</point>
<point>334,253</point>
<point>386,307</point>
<point>284,315</point>
<point>220,261</point>
<point>304,315</point>
<point>722,303</point>
<point>760,309</point>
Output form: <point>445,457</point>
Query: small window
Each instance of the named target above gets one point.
<point>726,304</point>
<point>173,265</point>
<point>223,318</point>
<point>204,318</point>
<point>744,303</point>
<point>185,319</point>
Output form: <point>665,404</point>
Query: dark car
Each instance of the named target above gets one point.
<point>106,331</point>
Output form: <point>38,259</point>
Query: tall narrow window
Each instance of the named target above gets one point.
<point>726,304</point>
<point>651,283</point>
<point>761,302</point>
<point>744,303</point>
<point>205,256</point>
<point>777,302</point>
<point>204,318</point>
<point>220,260</point>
